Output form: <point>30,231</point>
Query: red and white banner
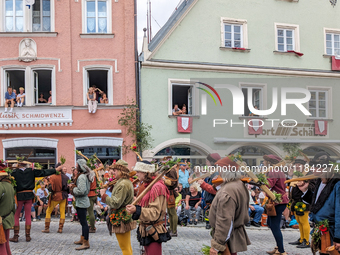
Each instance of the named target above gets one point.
<point>335,63</point>
<point>184,124</point>
<point>255,127</point>
<point>320,127</point>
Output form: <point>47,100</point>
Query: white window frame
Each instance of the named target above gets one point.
<point>244,32</point>
<point>329,111</point>
<point>109,92</point>
<point>195,95</point>
<point>29,81</point>
<point>41,17</point>
<point>28,18</point>
<point>109,17</point>
<point>296,38</point>
<point>53,83</point>
<point>330,31</point>
<point>263,95</point>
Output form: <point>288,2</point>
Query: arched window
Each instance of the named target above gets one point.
<point>189,153</point>
<point>252,155</point>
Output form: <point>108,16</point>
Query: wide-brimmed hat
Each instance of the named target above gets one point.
<point>213,158</point>
<point>299,161</point>
<point>225,162</point>
<point>145,167</point>
<point>83,166</point>
<point>273,159</point>
<point>120,165</point>
<point>3,173</point>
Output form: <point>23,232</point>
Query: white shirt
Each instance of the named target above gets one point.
<point>69,175</point>
<point>41,194</point>
<point>321,187</point>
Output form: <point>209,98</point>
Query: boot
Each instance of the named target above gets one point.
<point>15,238</point>
<point>273,251</point>
<point>28,233</point>
<point>304,244</point>
<point>47,225</point>
<point>85,245</point>
<point>80,241</point>
<point>92,230</point>
<point>61,225</point>
<point>279,253</point>
<point>296,242</point>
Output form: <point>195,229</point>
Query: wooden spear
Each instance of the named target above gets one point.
<point>304,178</point>
<point>255,179</point>
<point>162,172</point>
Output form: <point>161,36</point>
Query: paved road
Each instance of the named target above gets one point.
<point>189,241</point>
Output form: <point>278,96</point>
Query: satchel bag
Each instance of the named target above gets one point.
<point>270,208</point>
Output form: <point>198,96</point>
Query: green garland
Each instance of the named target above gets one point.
<point>119,216</point>
<point>278,197</point>
<point>11,178</point>
<point>300,207</point>
<point>297,174</point>
<point>262,178</point>
<point>321,228</point>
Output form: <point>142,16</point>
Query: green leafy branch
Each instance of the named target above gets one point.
<point>137,130</point>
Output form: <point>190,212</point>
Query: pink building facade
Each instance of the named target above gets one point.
<point>56,50</point>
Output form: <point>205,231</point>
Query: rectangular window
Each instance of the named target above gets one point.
<point>234,33</point>
<point>233,36</point>
<point>332,44</point>
<point>16,80</point>
<point>287,37</point>
<point>99,80</point>
<point>41,19</point>
<point>285,40</point>
<point>318,104</point>
<point>256,94</point>
<point>96,16</point>
<point>182,96</point>
<point>43,86</point>
<point>14,15</point>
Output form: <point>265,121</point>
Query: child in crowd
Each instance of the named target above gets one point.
<point>21,97</point>
<point>42,194</point>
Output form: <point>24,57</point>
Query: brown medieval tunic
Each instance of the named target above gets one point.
<point>59,187</point>
<point>228,215</point>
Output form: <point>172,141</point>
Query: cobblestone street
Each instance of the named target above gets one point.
<point>189,241</point>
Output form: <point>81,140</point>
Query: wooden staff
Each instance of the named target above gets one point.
<point>305,156</point>
<point>112,183</point>
<point>201,177</point>
<point>97,158</point>
<point>304,178</point>
<point>255,179</point>
<point>332,251</point>
<point>162,172</point>
<point>140,158</point>
<point>82,155</point>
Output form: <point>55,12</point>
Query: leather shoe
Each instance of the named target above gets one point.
<point>296,242</point>
<point>255,224</point>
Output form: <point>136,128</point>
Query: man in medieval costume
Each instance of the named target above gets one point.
<point>7,209</point>
<point>301,217</point>
<point>171,181</point>
<point>25,179</point>
<point>58,186</point>
<point>93,201</point>
<point>119,221</point>
<point>324,201</point>
<point>150,211</point>
<point>229,211</point>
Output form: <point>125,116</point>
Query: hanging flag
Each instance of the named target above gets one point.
<point>335,63</point>
<point>320,127</point>
<point>255,127</point>
<point>184,124</point>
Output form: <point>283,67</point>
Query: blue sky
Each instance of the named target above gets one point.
<point>161,11</point>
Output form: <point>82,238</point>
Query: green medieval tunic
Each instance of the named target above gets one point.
<point>7,204</point>
<point>122,195</point>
